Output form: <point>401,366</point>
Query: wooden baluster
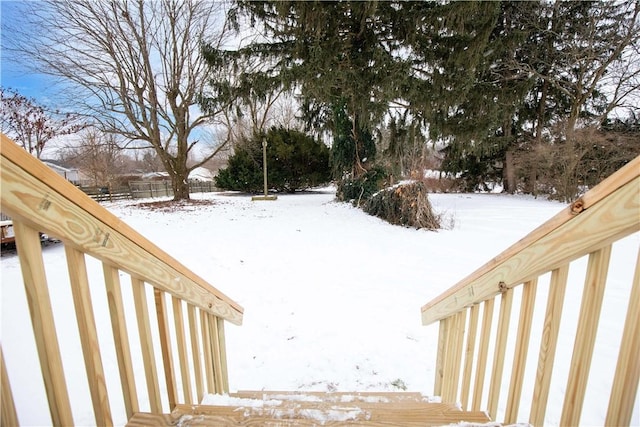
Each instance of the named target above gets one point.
<point>222,340</point>
<point>219,359</point>
<point>88,336</point>
<point>625,382</point>
<point>8,414</point>
<point>595,283</point>
<point>469,355</point>
<point>548,344</point>
<point>121,339</point>
<point>506,302</point>
<point>165,348</point>
<point>458,343</point>
<point>35,284</point>
<point>207,347</point>
<point>146,344</point>
<point>483,351</point>
<point>182,350</point>
<point>521,350</point>
<point>195,350</point>
<point>441,356</point>
<point>447,366</point>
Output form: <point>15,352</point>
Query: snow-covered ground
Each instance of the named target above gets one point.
<point>332,296</point>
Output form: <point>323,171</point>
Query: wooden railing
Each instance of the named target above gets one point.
<point>190,313</point>
<point>587,228</point>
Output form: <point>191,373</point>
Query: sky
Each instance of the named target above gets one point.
<point>13,74</point>
<point>16,74</point>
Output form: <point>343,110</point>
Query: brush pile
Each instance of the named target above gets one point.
<point>405,204</point>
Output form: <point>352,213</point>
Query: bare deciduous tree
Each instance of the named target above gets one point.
<point>98,156</point>
<point>137,69</point>
<point>30,124</point>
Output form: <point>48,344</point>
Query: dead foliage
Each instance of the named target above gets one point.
<point>404,204</point>
<point>168,206</point>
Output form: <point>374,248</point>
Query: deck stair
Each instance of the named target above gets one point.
<point>280,408</point>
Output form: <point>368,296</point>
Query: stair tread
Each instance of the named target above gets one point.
<point>271,408</point>
<point>338,396</point>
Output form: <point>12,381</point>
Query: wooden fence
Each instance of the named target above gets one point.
<point>107,194</point>
<point>143,190</point>
<point>37,199</point>
<point>586,229</point>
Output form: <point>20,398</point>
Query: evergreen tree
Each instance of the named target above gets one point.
<point>578,51</point>
<point>490,79</point>
<point>468,92</point>
<point>295,161</point>
<point>343,59</point>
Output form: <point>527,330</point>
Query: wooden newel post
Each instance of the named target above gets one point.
<point>264,168</point>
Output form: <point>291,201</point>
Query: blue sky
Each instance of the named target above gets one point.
<point>14,74</point>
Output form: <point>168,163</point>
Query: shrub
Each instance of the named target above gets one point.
<point>358,189</point>
<point>242,173</point>
<point>404,204</point>
<point>295,161</point>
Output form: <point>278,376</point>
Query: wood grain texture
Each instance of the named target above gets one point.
<point>46,337</point>
<point>448,392</point>
<point>207,348</point>
<point>506,303</point>
<point>332,396</point>
<point>195,350</point>
<point>443,334</point>
<point>178,318</point>
<point>521,351</point>
<point>483,353</point>
<point>165,347</point>
<point>146,344</point>
<point>8,414</point>
<point>354,414</point>
<point>469,355</point>
<point>215,353</point>
<point>607,213</point>
<point>548,345</point>
<point>624,390</point>
<point>597,269</point>
<point>222,342</point>
<point>286,408</point>
<point>88,336</point>
<point>121,339</point>
<point>454,358</point>
<point>31,192</point>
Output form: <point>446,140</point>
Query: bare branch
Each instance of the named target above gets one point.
<point>135,66</point>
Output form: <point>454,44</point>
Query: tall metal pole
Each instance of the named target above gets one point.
<point>264,168</point>
<point>264,163</point>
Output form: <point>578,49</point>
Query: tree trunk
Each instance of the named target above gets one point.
<point>532,164</point>
<point>180,187</point>
<point>509,173</point>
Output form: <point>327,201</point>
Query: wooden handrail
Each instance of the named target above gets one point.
<point>586,229</point>
<point>565,237</point>
<point>38,200</point>
<point>32,190</point>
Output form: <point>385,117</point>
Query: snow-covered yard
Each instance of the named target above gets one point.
<point>332,296</point>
